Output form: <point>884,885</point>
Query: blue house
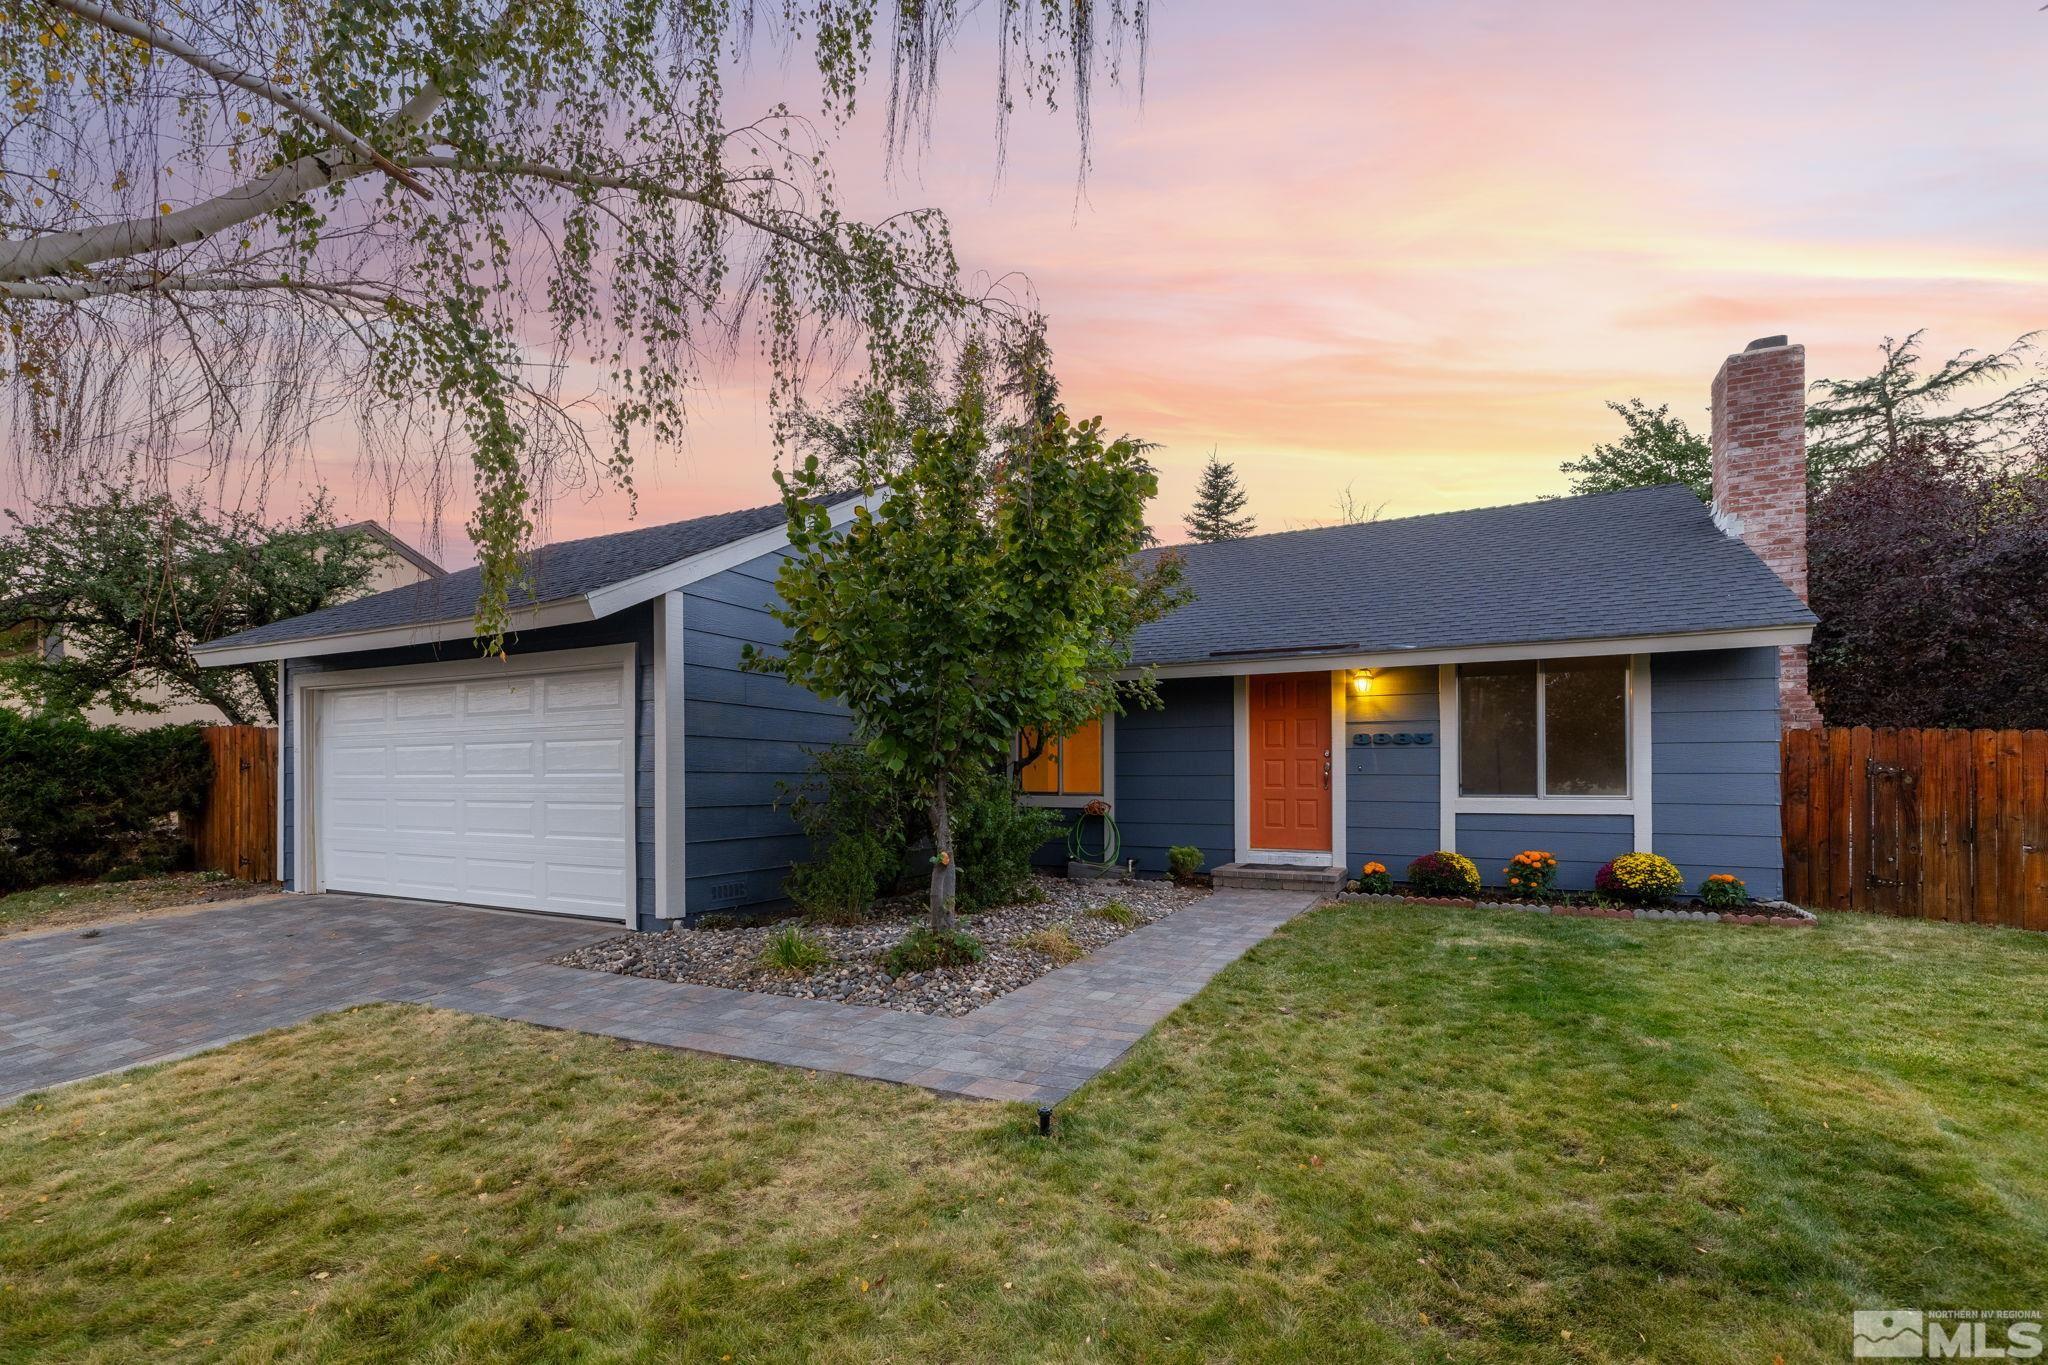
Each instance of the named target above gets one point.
<point>1586,675</point>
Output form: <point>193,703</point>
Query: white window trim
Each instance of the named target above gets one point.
<point>1638,804</point>
<point>308,682</point>
<point>1078,800</point>
<point>1241,781</point>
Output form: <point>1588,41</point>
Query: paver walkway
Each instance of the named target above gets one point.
<point>73,1007</point>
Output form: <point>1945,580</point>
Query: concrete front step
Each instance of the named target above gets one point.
<point>1277,877</point>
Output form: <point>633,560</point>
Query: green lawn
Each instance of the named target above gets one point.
<point>1387,1134</point>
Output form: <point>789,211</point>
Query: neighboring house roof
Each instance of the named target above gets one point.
<point>576,580</point>
<point>1644,562</point>
<point>375,530</point>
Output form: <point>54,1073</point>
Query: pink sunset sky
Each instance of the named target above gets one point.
<point>1413,247</point>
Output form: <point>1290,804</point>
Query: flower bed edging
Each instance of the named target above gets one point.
<point>1789,917</point>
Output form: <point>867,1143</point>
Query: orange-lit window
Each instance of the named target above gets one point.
<point>1068,766</point>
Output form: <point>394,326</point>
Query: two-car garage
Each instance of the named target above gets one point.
<point>490,783</point>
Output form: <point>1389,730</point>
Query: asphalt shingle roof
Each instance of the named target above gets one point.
<point>557,572</point>
<point>1642,562</point>
<point>1647,561</point>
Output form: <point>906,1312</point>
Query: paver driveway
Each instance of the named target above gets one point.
<point>72,1007</point>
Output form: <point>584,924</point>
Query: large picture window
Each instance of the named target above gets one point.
<point>1068,766</point>
<point>1550,728</point>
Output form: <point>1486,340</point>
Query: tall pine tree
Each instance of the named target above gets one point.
<point>1219,502</point>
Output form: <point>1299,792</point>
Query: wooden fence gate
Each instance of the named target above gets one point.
<point>1935,824</point>
<point>237,829</point>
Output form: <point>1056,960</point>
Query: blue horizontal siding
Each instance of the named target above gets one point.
<point>1682,723</point>
<point>1746,757</point>
<point>715,683</point>
<point>1581,843</point>
<point>724,720</point>
<point>1715,764</point>
<point>747,736</point>
<point>1392,802</point>
<point>1175,776</point>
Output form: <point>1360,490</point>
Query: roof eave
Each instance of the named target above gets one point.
<point>538,616</point>
<point>593,605</point>
<point>1779,636</point>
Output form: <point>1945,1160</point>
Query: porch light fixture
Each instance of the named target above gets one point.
<point>1361,681</point>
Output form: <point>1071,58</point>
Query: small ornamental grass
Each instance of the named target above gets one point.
<point>1444,873</point>
<point>1054,942</point>
<point>1532,873</point>
<point>923,950</point>
<point>1375,880</point>
<point>1640,879</point>
<point>793,952</point>
<point>1724,891</point>
<point>1117,913</point>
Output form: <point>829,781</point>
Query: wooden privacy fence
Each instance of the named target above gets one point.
<point>1935,824</point>
<point>237,829</point>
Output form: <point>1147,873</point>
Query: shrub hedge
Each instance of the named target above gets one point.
<point>79,800</point>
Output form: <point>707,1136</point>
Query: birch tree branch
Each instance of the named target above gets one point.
<point>163,40</point>
<point>814,242</point>
<point>58,252</point>
<point>135,284</point>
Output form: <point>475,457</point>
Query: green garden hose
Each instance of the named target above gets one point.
<point>1112,839</point>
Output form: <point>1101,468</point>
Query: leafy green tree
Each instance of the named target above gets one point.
<point>1849,422</point>
<point>231,222</point>
<point>991,589</point>
<point>127,583</point>
<point>1219,505</point>
<point>1855,422</point>
<point>1656,449</point>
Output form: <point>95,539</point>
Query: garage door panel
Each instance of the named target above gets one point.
<point>423,760</point>
<point>355,759</point>
<point>498,699</point>
<point>511,791</point>
<point>422,702</point>
<point>501,876</point>
<point>425,866</point>
<point>596,888</point>
<point>348,813</point>
<point>508,757</point>
<point>584,756</point>
<point>427,815</point>
<point>356,708</point>
<point>496,817</point>
<point>585,820</point>
<point>571,696</point>
<point>350,867</point>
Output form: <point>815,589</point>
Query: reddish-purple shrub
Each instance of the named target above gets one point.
<point>1929,572</point>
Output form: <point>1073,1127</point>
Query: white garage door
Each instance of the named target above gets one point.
<point>512,791</point>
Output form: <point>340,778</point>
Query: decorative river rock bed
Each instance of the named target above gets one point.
<point>732,957</point>
<point>1781,913</point>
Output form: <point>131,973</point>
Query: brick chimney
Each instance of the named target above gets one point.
<point>1760,482</point>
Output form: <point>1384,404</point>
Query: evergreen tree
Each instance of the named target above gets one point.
<point>1219,503</point>
<point>1851,423</point>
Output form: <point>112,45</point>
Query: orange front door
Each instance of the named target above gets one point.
<point>1290,761</point>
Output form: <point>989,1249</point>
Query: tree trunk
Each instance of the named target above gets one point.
<point>944,874</point>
